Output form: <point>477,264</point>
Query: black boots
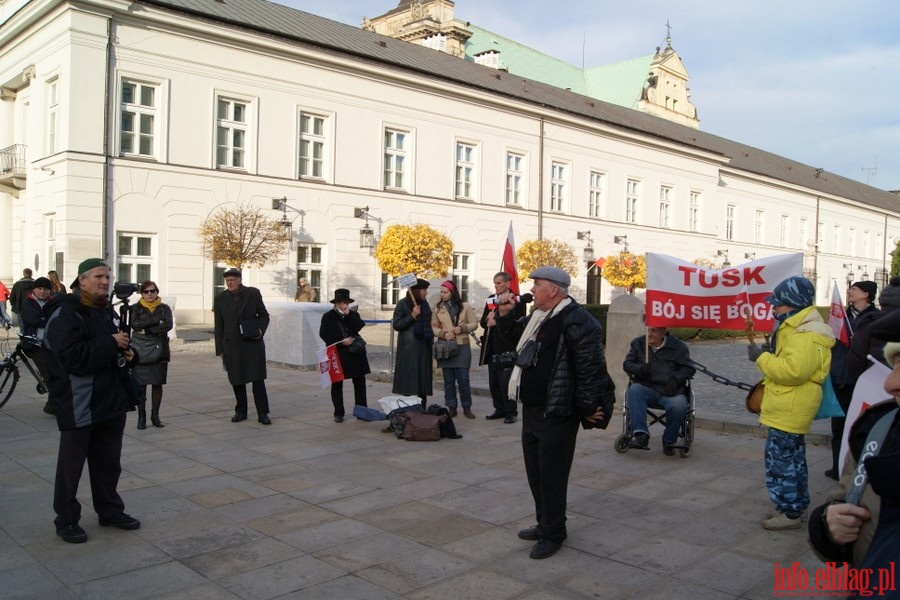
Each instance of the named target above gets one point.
<point>142,415</point>
<point>154,418</point>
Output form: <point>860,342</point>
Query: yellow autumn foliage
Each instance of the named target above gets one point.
<point>545,253</point>
<point>415,249</point>
<point>242,235</point>
<point>626,270</point>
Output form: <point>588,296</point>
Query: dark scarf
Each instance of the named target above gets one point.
<point>422,325</point>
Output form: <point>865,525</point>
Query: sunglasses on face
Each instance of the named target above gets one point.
<point>150,291</point>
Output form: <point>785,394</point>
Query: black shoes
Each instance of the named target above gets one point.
<point>154,418</point>
<point>238,418</point>
<point>544,549</point>
<point>831,474</point>
<point>122,521</point>
<point>531,534</point>
<point>640,441</point>
<point>494,416</point>
<point>72,533</point>
<point>339,419</point>
<point>49,409</point>
<point>668,450</point>
<point>452,411</point>
<point>265,420</point>
<point>510,419</point>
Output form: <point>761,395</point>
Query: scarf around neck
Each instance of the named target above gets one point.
<point>151,306</point>
<point>531,329</point>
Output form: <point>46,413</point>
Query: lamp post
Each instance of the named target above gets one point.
<point>284,221</point>
<point>621,239</point>
<point>588,253</point>
<point>725,263</point>
<point>750,255</point>
<point>366,235</point>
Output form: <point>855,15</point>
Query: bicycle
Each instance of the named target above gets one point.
<point>9,368</point>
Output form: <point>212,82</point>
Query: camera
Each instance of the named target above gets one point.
<point>123,291</point>
<point>505,360</point>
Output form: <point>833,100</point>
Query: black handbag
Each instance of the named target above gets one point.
<point>148,347</point>
<point>358,346</point>
<point>444,349</point>
<point>250,329</point>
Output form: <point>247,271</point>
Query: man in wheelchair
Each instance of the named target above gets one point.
<point>659,366</point>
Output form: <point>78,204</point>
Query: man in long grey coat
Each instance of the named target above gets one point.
<point>241,321</point>
<point>413,370</point>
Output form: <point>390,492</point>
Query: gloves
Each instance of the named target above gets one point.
<point>753,352</point>
<point>671,387</point>
<point>644,371</point>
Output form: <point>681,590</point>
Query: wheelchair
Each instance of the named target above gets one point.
<point>658,415</point>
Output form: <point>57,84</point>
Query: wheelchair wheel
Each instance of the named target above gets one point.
<point>621,443</point>
<point>688,435</point>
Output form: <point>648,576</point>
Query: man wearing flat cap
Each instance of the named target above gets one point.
<point>241,320</point>
<point>87,361</point>
<point>413,370</point>
<point>559,376</point>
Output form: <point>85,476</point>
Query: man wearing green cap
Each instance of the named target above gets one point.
<point>87,358</point>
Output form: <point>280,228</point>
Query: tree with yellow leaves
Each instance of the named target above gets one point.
<point>415,249</point>
<point>242,235</point>
<point>545,253</point>
<point>626,270</point>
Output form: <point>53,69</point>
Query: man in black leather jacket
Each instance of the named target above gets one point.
<point>559,376</point>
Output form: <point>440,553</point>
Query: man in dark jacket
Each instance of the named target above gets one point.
<point>18,293</point>
<point>241,320</point>
<point>860,313</point>
<point>559,377</point>
<point>494,343</point>
<point>86,357</point>
<point>33,322</point>
<point>413,366</point>
<point>658,379</point>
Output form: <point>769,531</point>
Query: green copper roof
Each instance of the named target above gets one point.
<point>620,83</point>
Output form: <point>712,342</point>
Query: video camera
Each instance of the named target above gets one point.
<point>123,291</point>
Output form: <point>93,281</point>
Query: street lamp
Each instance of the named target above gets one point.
<point>284,221</point>
<point>589,248</point>
<point>750,255</point>
<point>621,239</point>
<point>366,235</point>
<point>725,263</point>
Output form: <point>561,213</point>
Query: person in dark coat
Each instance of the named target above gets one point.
<point>860,313</point>
<point>494,343</point>
<point>87,359</point>
<point>241,320</point>
<point>151,321</point>
<point>33,322</point>
<point>659,379</point>
<point>339,326</point>
<point>413,370</point>
<point>18,293</point>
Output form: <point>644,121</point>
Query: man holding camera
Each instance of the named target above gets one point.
<point>498,349</point>
<point>559,376</point>
<point>88,381</point>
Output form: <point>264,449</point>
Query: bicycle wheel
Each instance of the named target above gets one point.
<point>9,377</point>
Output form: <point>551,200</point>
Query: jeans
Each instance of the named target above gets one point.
<point>452,378</point>
<point>639,397</point>
<point>787,477</point>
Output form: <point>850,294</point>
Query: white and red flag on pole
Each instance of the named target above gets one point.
<point>330,368</point>
<point>508,264</point>
<point>837,317</point>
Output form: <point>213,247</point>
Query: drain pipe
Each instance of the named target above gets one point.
<point>104,217</point>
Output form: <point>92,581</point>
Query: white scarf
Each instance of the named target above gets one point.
<point>534,323</point>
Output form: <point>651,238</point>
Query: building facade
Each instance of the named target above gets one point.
<point>124,125</point>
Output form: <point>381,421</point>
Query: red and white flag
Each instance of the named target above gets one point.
<point>330,368</point>
<point>508,264</point>
<point>837,317</point>
<point>868,391</point>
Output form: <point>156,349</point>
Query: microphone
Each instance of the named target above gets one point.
<point>524,298</point>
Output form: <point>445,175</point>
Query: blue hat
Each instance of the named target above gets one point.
<point>796,292</point>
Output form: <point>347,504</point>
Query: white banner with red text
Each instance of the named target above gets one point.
<point>682,294</point>
<point>330,368</point>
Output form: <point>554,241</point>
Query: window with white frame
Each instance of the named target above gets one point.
<point>865,241</point>
<point>836,239</point>
<point>758,227</point>
<point>785,231</point>
<point>694,212</point>
<point>596,193</point>
<point>804,233</point>
<point>462,274</point>
<point>851,241</point>
<point>218,279</point>
<point>50,240</point>
<point>390,290</point>
<point>134,257</point>
<point>558,185</point>
<point>311,266</point>
<point>729,221</point>
<point>232,132</point>
<point>313,145</point>
<point>665,207</point>
<point>820,235</point>
<point>465,170</point>
<point>515,172</point>
<point>632,199</point>
<point>139,113</point>
<point>52,115</point>
<point>395,153</point>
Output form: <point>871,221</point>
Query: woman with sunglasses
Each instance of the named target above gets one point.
<point>150,323</point>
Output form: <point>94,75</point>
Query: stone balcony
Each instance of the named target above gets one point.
<point>12,169</point>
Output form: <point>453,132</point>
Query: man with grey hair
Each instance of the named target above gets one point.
<point>495,343</point>
<point>559,376</point>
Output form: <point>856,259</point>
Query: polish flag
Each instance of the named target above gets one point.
<point>600,262</point>
<point>330,368</point>
<point>868,391</point>
<point>837,317</point>
<point>508,264</point>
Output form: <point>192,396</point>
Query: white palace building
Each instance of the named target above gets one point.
<point>124,124</point>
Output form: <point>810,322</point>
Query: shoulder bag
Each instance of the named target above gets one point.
<point>755,398</point>
<point>358,346</point>
<point>444,349</point>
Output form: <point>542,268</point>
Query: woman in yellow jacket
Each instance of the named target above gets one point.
<point>453,320</point>
<point>793,372</point>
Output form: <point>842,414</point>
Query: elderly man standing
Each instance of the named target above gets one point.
<point>305,292</point>
<point>241,320</point>
<point>559,376</point>
<point>659,379</point>
<point>86,358</point>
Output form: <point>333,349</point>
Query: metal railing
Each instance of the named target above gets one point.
<point>12,159</point>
